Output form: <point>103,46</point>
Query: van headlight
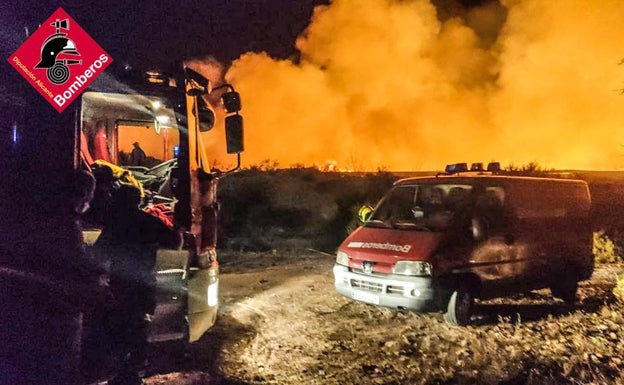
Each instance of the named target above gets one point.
<point>342,258</point>
<point>412,268</point>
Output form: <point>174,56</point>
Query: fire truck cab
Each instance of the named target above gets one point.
<point>153,125</point>
<point>166,117</point>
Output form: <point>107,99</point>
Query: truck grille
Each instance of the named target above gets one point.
<point>367,285</point>
<point>395,290</point>
<point>375,287</point>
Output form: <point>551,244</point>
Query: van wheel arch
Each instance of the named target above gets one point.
<point>457,302</point>
<point>460,305</point>
<point>449,283</point>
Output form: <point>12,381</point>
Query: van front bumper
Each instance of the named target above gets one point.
<point>394,291</point>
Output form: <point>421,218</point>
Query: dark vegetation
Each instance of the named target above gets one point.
<point>294,208</point>
<point>266,208</point>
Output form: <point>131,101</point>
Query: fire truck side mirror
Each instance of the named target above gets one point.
<point>197,84</point>
<point>234,134</point>
<point>206,115</point>
<point>231,101</point>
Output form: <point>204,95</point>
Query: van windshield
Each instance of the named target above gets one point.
<point>425,207</point>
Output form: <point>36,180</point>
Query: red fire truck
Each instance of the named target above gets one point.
<point>167,117</point>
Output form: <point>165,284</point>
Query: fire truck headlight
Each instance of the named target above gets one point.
<point>342,258</point>
<point>163,119</point>
<point>412,268</point>
<point>213,294</point>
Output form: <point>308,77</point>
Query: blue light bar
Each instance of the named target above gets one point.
<point>456,168</point>
<point>494,166</point>
<point>14,135</point>
<point>476,167</point>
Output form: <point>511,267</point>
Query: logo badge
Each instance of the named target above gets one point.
<point>60,60</point>
<point>367,267</point>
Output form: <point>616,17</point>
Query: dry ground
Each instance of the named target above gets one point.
<point>281,322</point>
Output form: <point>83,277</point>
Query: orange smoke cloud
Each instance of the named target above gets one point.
<point>386,84</point>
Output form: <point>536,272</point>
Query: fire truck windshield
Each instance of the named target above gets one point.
<point>129,129</point>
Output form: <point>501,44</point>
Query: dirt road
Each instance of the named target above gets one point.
<point>281,322</point>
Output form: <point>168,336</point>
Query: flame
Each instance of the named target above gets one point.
<point>397,85</point>
<point>332,166</point>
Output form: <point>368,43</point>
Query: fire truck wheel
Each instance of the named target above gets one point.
<point>459,308</point>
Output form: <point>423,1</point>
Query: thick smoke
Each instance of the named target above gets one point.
<point>558,72</point>
<point>397,85</point>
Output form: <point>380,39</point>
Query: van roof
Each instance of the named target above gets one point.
<point>469,178</point>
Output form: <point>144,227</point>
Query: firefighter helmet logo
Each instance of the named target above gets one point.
<point>58,62</point>
<point>53,50</point>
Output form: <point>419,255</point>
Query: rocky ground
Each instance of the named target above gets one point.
<point>281,322</point>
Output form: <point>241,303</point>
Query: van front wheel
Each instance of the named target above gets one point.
<point>459,308</point>
<point>565,290</point>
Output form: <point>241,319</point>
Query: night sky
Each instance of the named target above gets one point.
<point>163,33</point>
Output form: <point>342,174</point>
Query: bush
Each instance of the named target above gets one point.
<point>605,250</point>
<point>529,169</point>
<point>245,199</point>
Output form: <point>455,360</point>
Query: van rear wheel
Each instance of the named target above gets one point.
<point>459,308</point>
<point>565,290</point>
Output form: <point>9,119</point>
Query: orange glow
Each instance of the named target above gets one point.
<point>158,146</point>
<point>386,84</point>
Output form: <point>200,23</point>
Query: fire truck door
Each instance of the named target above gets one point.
<point>169,320</point>
<point>203,303</point>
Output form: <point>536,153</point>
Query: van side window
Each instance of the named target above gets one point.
<point>490,204</point>
<point>491,198</point>
<point>457,197</point>
<point>541,200</point>
<point>578,201</point>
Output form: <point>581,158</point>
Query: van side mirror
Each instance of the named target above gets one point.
<point>364,213</point>
<point>479,229</point>
<point>234,134</point>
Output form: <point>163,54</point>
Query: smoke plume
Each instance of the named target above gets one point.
<point>402,85</point>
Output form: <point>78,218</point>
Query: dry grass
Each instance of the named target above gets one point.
<point>282,323</point>
<point>618,291</point>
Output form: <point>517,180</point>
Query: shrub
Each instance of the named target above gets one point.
<point>245,197</point>
<point>529,169</point>
<point>267,165</point>
<point>605,250</point>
